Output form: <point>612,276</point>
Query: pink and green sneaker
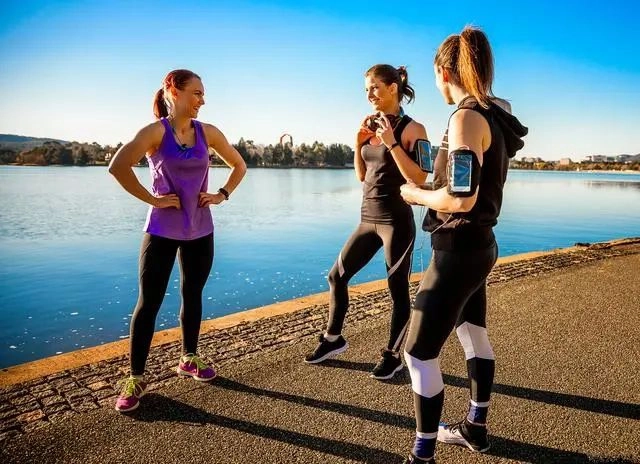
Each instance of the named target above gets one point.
<point>192,365</point>
<point>132,390</point>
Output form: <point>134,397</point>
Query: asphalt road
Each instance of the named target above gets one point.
<point>567,345</point>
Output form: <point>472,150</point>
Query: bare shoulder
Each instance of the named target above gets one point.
<point>212,133</point>
<point>151,132</point>
<point>210,128</point>
<point>416,130</point>
<point>468,118</point>
<point>149,137</point>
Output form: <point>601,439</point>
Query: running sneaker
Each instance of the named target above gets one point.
<point>326,349</point>
<point>466,434</point>
<point>191,365</point>
<point>388,366</point>
<point>132,390</point>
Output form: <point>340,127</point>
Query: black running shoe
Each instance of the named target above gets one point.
<point>416,460</point>
<point>326,349</point>
<point>466,434</point>
<point>387,367</point>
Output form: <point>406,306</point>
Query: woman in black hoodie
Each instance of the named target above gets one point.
<point>469,175</point>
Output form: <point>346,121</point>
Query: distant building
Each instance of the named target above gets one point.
<point>623,158</point>
<point>564,161</point>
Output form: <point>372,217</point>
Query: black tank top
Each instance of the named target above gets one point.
<point>473,230</point>
<point>381,200</point>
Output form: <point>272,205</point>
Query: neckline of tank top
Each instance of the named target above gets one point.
<point>174,135</point>
<point>400,117</point>
<point>465,99</point>
<point>396,118</point>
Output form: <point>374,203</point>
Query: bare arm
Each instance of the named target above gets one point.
<point>358,163</point>
<point>129,155</point>
<point>467,128</point>
<point>228,154</point>
<point>407,166</point>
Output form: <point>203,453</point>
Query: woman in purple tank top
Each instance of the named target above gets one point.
<point>179,221</point>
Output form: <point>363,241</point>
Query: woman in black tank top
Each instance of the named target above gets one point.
<point>384,160</point>
<point>469,174</point>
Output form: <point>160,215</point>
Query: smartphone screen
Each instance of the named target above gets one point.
<point>423,149</point>
<point>460,172</point>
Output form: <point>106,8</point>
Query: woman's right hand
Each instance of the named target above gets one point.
<point>364,134</point>
<point>167,201</point>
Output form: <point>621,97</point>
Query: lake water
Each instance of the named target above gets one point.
<point>70,236</point>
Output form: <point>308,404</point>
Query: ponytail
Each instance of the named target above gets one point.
<point>404,89</point>
<point>159,105</point>
<point>469,59</point>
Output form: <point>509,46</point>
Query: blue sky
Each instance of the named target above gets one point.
<point>87,71</point>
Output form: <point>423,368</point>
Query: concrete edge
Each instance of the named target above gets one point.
<point>58,363</point>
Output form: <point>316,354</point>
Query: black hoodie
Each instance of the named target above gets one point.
<point>473,230</point>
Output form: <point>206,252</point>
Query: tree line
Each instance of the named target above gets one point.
<point>56,153</point>
<point>275,155</point>
<point>578,166</point>
<point>316,154</point>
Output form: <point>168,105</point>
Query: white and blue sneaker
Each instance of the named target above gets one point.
<point>466,434</point>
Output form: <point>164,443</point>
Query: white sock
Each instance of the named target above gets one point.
<point>137,377</point>
<point>331,338</point>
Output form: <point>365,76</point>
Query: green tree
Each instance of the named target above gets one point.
<point>287,155</point>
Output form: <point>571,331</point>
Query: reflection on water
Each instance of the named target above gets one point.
<point>612,184</point>
<point>70,237</point>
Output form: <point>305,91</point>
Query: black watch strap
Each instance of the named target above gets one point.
<point>224,192</point>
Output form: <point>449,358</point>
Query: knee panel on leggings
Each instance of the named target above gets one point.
<point>475,341</point>
<point>426,377</point>
<point>336,272</point>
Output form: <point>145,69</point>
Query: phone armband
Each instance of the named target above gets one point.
<point>463,173</point>
<point>422,155</point>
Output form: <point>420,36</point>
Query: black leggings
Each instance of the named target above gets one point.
<point>452,294</point>
<point>157,256</point>
<point>368,238</point>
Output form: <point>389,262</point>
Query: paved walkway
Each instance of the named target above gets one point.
<point>565,332</point>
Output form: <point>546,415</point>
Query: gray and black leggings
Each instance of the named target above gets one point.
<point>157,256</point>
<point>368,238</point>
<point>452,294</point>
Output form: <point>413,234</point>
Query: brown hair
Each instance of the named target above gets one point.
<point>178,78</point>
<point>390,75</point>
<point>469,60</point>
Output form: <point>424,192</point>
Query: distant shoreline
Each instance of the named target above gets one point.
<point>591,171</point>
<point>102,165</point>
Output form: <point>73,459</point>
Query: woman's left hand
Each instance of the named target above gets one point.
<point>209,199</point>
<point>410,193</point>
<point>385,131</point>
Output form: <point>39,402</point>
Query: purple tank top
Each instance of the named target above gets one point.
<point>183,171</point>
